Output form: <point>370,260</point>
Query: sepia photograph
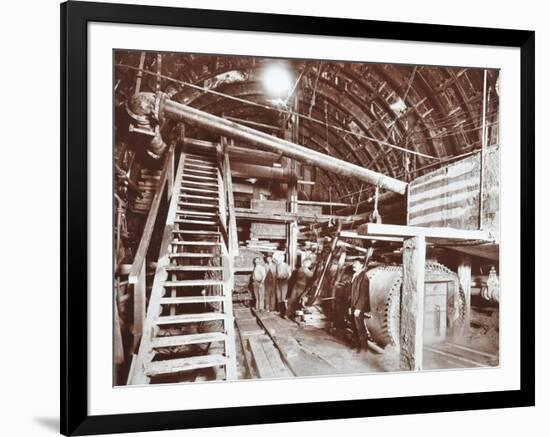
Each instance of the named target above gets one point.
<point>290,218</point>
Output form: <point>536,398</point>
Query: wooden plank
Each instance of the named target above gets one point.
<point>196,213</point>
<point>193,283</point>
<point>249,327</point>
<point>229,325</point>
<point>455,357</point>
<point>355,235</point>
<point>181,340</point>
<point>187,176</point>
<point>274,357</point>
<point>263,365</point>
<point>140,291</point>
<point>197,190</point>
<point>194,160</point>
<point>232,223</point>
<point>464,272</point>
<point>321,203</point>
<point>196,196</point>
<point>167,367</point>
<point>299,361</point>
<point>187,182</point>
<point>147,234</point>
<point>292,227</point>
<point>191,299</point>
<point>414,231</point>
<point>282,217</point>
<point>193,165</point>
<point>193,255</point>
<point>195,243</point>
<point>196,232</point>
<point>191,170</point>
<point>412,304</point>
<point>198,205</point>
<point>191,268</point>
<point>189,318</point>
<point>197,222</point>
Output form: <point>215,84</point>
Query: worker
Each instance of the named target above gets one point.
<point>258,279</point>
<point>269,285</point>
<point>303,277</point>
<point>282,275</point>
<point>359,304</point>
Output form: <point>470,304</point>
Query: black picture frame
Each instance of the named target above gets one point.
<point>75,17</point>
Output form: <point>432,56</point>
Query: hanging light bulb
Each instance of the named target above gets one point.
<point>277,80</point>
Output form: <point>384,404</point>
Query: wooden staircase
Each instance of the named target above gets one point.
<point>188,332</point>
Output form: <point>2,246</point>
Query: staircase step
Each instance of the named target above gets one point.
<point>186,175</point>
<point>187,169</point>
<point>167,367</point>
<point>198,205</point>
<point>197,183</point>
<point>199,157</point>
<point>199,190</point>
<point>196,222</point>
<point>205,166</point>
<point>195,243</point>
<point>204,163</point>
<point>189,318</point>
<point>191,299</point>
<point>174,268</point>
<point>197,196</point>
<point>196,213</point>
<point>197,232</point>
<point>180,340</point>
<point>194,255</point>
<point>192,283</point>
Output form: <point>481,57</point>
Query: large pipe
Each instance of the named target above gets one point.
<point>181,112</point>
<point>240,170</point>
<point>236,153</point>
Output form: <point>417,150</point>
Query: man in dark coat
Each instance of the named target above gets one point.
<point>359,304</point>
<point>270,285</point>
<point>303,276</point>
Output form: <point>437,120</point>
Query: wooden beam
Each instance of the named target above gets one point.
<point>465,281</point>
<point>281,217</point>
<point>416,231</point>
<point>355,235</point>
<point>147,234</point>
<point>318,202</point>
<point>140,290</point>
<point>412,304</point>
<point>292,228</point>
<point>232,222</point>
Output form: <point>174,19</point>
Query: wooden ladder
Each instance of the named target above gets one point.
<point>189,323</point>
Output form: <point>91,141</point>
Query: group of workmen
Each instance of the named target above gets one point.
<point>270,284</point>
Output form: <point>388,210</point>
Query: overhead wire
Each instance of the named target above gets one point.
<point>280,110</point>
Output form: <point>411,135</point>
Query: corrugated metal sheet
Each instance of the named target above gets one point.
<point>449,196</point>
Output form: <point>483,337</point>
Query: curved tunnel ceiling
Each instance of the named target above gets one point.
<point>363,113</point>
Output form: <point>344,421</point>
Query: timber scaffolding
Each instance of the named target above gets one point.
<point>226,160</point>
